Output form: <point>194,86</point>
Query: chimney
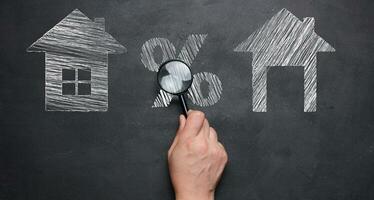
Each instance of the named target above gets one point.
<point>101,23</point>
<point>309,21</point>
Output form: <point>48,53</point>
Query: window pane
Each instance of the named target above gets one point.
<point>68,74</point>
<point>84,74</point>
<point>84,89</point>
<point>68,89</point>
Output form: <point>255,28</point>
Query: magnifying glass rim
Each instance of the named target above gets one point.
<point>163,65</point>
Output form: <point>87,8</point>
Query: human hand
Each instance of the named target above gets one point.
<point>196,158</point>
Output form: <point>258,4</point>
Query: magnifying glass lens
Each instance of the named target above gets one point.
<point>174,77</point>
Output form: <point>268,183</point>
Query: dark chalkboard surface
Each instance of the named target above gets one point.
<point>284,153</point>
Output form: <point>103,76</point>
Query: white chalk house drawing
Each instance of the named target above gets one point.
<point>76,63</point>
<point>284,40</point>
<point>188,53</point>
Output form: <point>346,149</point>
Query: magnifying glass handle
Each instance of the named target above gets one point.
<point>183,104</point>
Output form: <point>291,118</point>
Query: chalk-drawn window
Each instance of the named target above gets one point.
<point>76,82</point>
<point>68,89</point>
<point>68,74</point>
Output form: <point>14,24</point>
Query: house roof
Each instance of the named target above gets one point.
<point>77,34</point>
<point>284,38</point>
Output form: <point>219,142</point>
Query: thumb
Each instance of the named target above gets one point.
<point>192,124</point>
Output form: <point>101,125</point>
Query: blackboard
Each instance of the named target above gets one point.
<point>283,153</point>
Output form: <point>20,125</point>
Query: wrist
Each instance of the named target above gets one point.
<point>209,196</point>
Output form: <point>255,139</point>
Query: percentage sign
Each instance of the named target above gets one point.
<point>187,54</point>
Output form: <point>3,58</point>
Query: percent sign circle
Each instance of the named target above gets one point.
<point>187,54</point>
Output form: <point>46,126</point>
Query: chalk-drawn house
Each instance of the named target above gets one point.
<point>284,40</point>
<point>76,63</point>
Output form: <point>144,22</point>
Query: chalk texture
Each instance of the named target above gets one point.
<point>284,40</point>
<point>187,54</point>
<point>76,42</point>
<point>215,89</point>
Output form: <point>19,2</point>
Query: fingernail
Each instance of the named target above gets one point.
<point>181,118</point>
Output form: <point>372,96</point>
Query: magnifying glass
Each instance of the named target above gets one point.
<point>175,77</point>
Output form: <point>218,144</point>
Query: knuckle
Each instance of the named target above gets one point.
<point>169,151</point>
<point>224,157</point>
<point>189,143</point>
<point>213,130</point>
<point>169,158</point>
<point>201,147</point>
<point>216,153</point>
<point>213,152</point>
<point>198,114</point>
<point>197,146</point>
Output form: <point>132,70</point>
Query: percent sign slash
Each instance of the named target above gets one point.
<point>187,54</point>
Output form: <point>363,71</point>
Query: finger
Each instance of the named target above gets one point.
<point>205,129</point>
<point>220,145</point>
<point>175,141</point>
<point>213,135</point>
<point>182,123</point>
<point>193,125</point>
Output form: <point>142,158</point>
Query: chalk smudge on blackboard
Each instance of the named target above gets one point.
<point>187,54</point>
<point>284,40</point>
<point>76,63</point>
